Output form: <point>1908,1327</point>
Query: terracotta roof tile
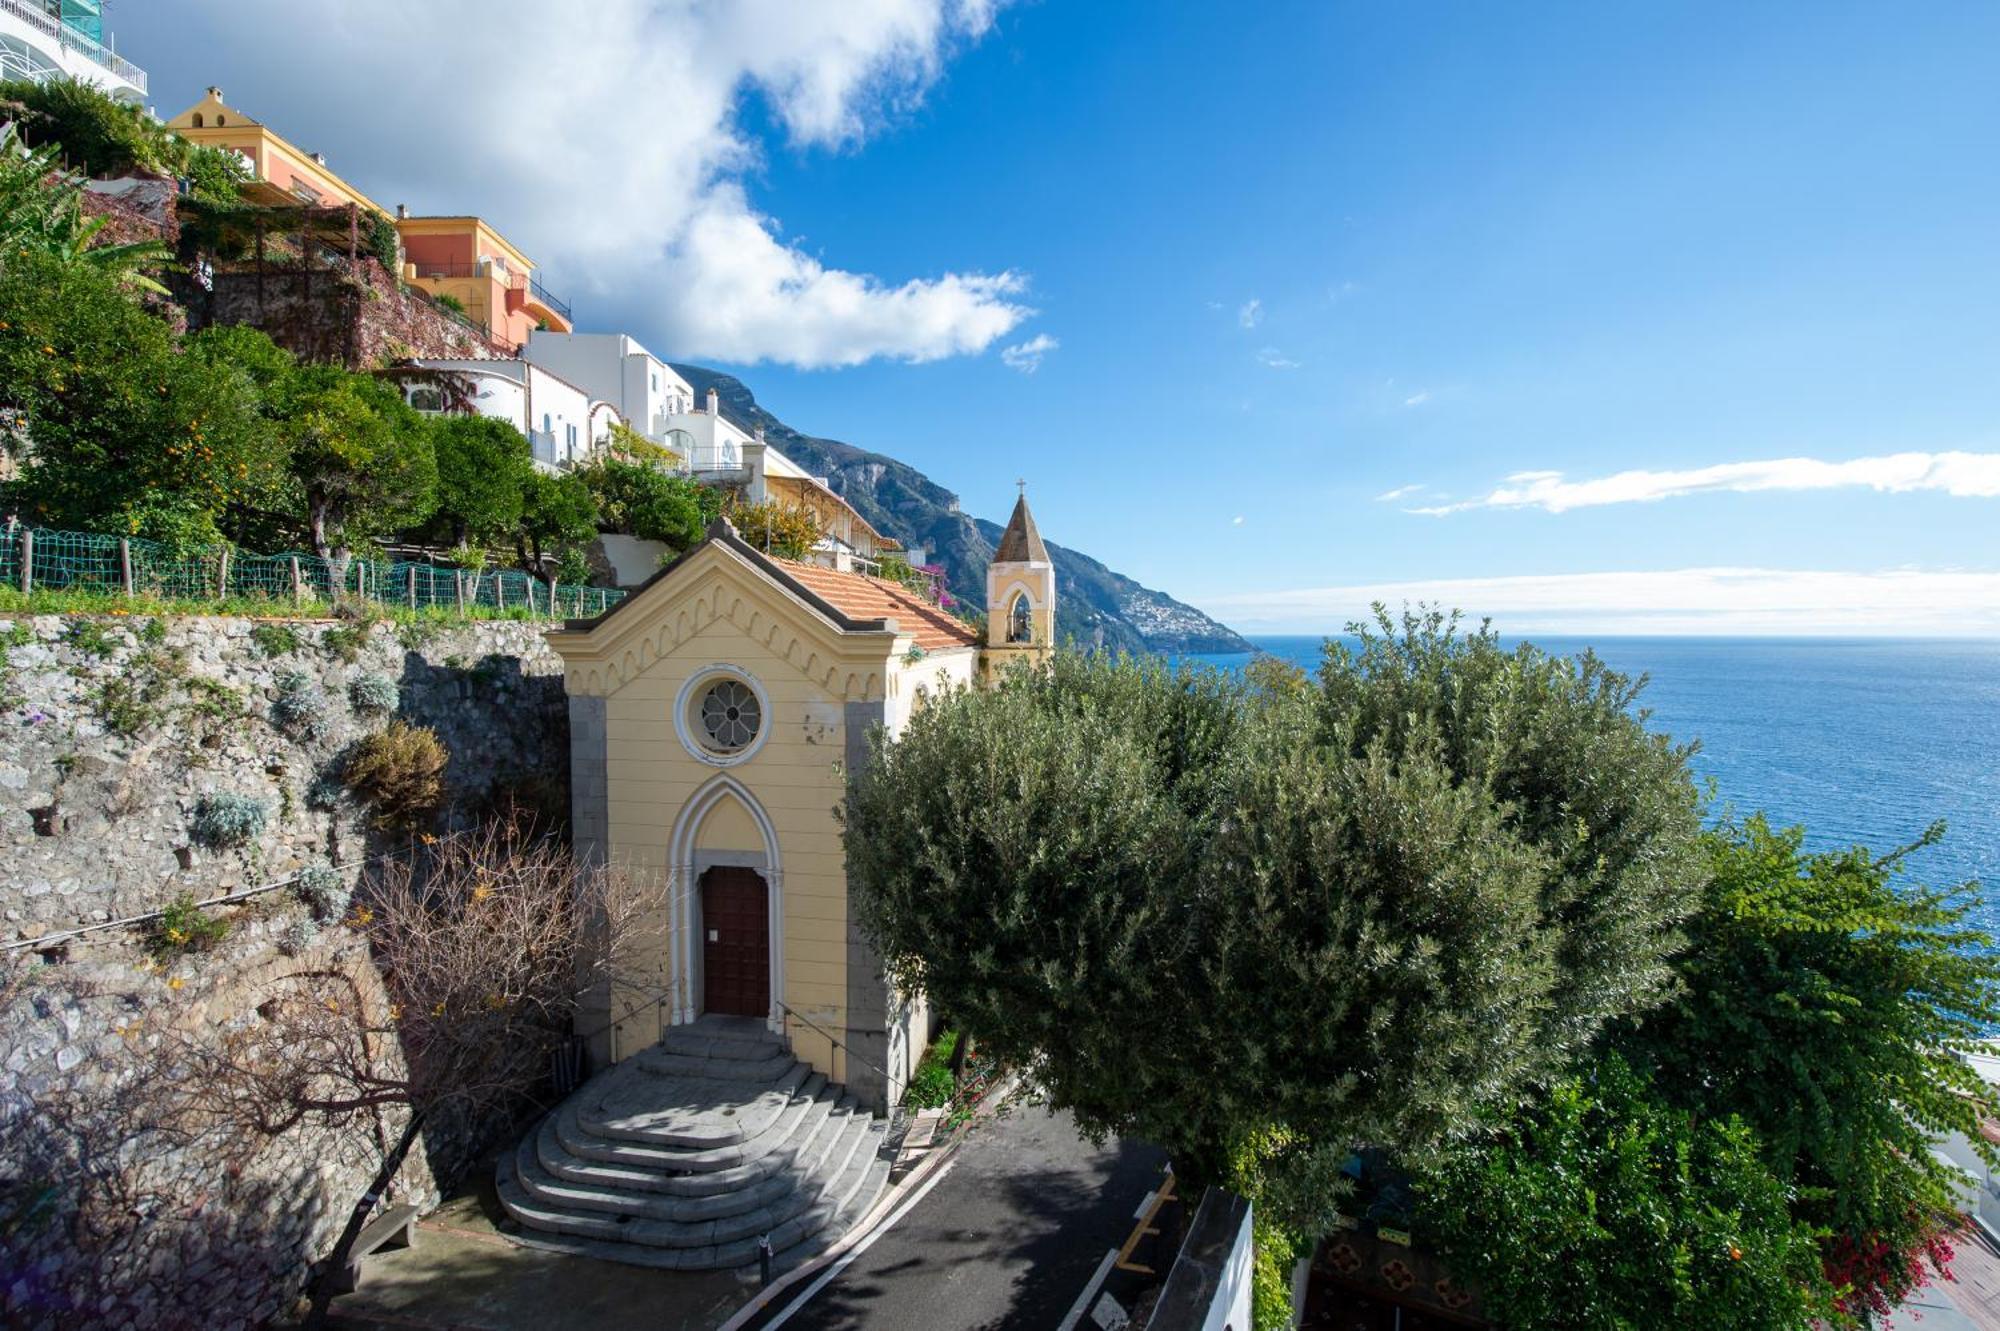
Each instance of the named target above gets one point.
<point>861,597</point>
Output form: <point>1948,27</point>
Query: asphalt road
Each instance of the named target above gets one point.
<point>1008,1238</point>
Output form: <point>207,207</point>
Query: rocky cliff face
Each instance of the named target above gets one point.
<point>903,502</point>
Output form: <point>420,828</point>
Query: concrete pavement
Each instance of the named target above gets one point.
<point>1010,1237</point>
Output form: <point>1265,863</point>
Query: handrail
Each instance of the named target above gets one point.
<point>542,294</point>
<point>36,17</point>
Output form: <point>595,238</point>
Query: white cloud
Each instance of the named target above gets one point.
<point>1236,521</point>
<point>1966,475</point>
<point>1251,314</point>
<point>1275,359</point>
<point>1417,399</point>
<point>614,150</point>
<point>1027,356</point>
<point>1401,491</point>
<point>1888,602</point>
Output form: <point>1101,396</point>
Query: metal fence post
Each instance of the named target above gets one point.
<point>125,564</point>
<point>27,560</point>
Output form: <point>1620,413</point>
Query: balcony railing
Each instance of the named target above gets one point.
<point>453,269</point>
<point>542,294</point>
<point>37,17</point>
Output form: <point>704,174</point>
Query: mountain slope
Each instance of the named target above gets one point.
<point>903,502</point>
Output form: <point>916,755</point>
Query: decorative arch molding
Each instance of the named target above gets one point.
<point>801,648</point>
<point>684,893</point>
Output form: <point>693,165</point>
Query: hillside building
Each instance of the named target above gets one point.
<point>65,39</point>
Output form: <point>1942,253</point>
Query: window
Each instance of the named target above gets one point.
<point>547,428</point>
<point>197,120</point>
<point>426,398</point>
<point>220,121</point>
<point>656,381</point>
<point>728,717</point>
<point>1020,620</point>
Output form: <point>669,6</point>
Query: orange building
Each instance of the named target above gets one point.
<point>466,260</point>
<point>462,259</point>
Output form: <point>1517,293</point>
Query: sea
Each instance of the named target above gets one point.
<point>1862,741</point>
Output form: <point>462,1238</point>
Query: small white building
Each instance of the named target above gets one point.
<point>644,389</point>
<point>564,423</point>
<point>54,39</point>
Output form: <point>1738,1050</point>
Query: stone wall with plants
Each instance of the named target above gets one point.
<point>148,764</point>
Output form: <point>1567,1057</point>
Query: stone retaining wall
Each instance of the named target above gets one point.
<point>117,1205</point>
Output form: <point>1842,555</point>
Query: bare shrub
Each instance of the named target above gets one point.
<point>486,945</point>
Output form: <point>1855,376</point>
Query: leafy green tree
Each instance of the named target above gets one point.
<point>558,518</point>
<point>1606,1207</point>
<point>361,457</point>
<point>112,428</point>
<point>1212,915</point>
<point>1829,1006</point>
<point>99,135</point>
<point>483,471</point>
<point>645,501</point>
<point>789,531</point>
<point>41,213</point>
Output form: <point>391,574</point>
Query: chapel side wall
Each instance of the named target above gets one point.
<point>795,778</point>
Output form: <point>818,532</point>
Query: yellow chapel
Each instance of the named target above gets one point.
<point>714,713</point>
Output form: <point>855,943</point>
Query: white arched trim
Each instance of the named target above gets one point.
<point>684,893</point>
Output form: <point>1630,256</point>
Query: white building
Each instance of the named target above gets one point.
<point>45,39</point>
<point>616,369</point>
<point>562,421</point>
<point>661,405</point>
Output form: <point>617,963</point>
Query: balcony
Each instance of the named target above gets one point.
<point>543,298</point>
<point>36,16</point>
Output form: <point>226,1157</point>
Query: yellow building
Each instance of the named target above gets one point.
<point>713,713</point>
<point>283,174</point>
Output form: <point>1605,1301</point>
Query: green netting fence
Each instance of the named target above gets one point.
<point>36,559</point>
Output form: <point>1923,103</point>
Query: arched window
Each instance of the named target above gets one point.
<point>197,120</point>
<point>1020,620</point>
<point>220,121</point>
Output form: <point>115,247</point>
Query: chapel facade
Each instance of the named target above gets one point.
<point>714,713</point>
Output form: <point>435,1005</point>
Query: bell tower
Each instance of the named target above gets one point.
<point>1020,594</point>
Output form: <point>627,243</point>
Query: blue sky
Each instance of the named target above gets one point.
<point>1295,257</point>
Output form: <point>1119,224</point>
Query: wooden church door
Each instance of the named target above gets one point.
<point>736,942</point>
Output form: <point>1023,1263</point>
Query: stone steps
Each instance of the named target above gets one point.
<point>686,1155</point>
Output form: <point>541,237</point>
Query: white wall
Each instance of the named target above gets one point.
<point>561,421</point>
<point>32,50</point>
<point>617,369</point>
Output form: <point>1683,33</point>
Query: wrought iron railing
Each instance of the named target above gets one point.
<point>542,294</point>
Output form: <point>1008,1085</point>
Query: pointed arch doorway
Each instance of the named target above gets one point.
<point>736,941</point>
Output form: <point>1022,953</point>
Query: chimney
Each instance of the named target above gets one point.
<point>318,157</point>
<point>760,434</point>
<point>214,92</point>
<point>714,403</point>
<point>402,212</point>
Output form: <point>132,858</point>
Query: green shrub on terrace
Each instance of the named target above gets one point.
<point>185,927</point>
<point>400,771</point>
<point>324,889</point>
<point>274,639</point>
<point>373,693</point>
<point>300,709</point>
<point>225,819</point>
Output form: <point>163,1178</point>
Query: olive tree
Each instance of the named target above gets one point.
<point>1263,922</point>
